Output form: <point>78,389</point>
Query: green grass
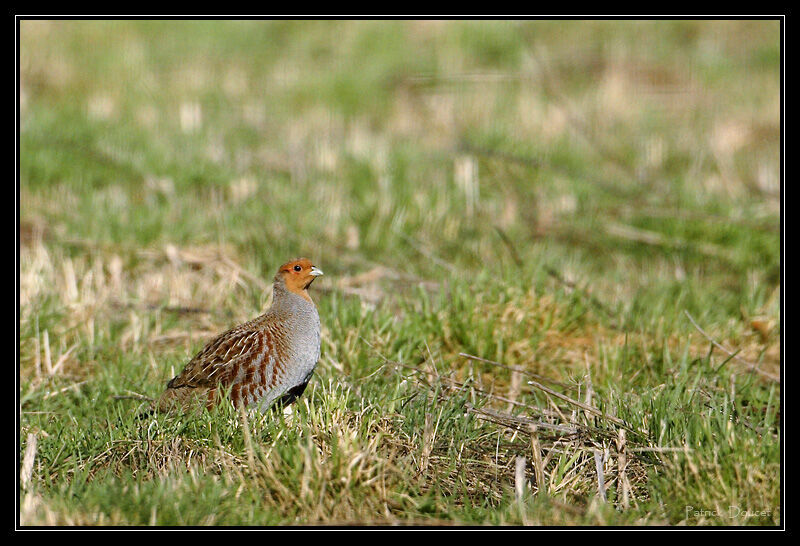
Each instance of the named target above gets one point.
<point>556,197</point>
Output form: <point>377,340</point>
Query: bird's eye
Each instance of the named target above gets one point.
<point>297,268</point>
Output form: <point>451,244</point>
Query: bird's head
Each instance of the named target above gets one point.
<point>297,275</point>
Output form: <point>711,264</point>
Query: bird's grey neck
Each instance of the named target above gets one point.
<point>284,298</point>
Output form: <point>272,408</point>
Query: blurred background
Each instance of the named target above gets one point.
<point>337,139</point>
<point>641,157</point>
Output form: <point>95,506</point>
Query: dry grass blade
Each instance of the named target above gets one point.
<point>601,483</point>
<point>622,465</point>
<point>657,239</point>
<point>538,466</point>
<point>133,396</point>
<point>581,405</point>
<point>27,461</point>
<point>519,478</point>
<point>74,387</point>
<point>63,358</point>
<point>751,366</point>
<point>515,369</point>
<point>519,422</point>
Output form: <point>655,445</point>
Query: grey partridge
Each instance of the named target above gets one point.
<point>270,358</point>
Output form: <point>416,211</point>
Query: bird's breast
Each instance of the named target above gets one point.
<point>294,356</point>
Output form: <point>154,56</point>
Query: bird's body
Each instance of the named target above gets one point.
<point>269,358</point>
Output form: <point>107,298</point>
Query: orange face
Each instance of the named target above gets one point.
<point>299,274</point>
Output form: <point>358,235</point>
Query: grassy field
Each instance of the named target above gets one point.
<point>552,256</point>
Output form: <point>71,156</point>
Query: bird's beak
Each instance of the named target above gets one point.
<point>316,272</point>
